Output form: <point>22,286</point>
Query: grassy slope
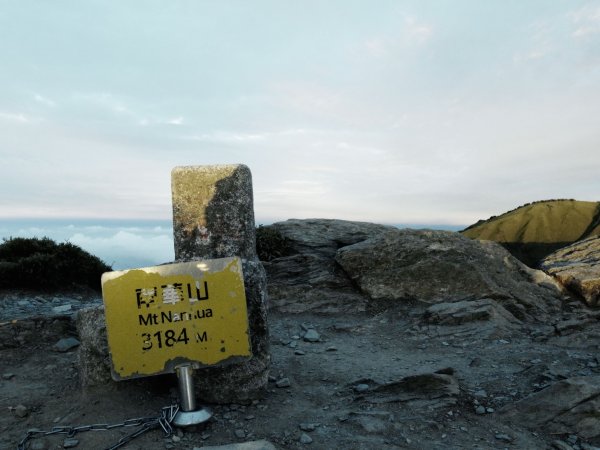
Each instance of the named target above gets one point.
<point>543,222</point>
<point>533,231</point>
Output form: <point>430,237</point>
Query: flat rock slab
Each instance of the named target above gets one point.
<point>571,405</point>
<point>467,311</point>
<point>66,344</point>
<point>577,267</point>
<point>325,236</point>
<point>436,389</point>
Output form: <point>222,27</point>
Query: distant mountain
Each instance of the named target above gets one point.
<point>533,231</point>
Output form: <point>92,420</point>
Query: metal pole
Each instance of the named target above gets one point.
<point>186,388</point>
<point>188,414</point>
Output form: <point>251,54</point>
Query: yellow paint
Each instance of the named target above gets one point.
<point>147,311</point>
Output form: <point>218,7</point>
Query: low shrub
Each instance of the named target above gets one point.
<point>271,244</point>
<point>41,263</point>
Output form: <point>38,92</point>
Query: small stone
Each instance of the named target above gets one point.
<point>66,344</point>
<point>489,410</point>
<point>70,443</point>
<point>283,383</point>
<point>7,376</point>
<point>480,410</point>
<point>39,444</point>
<point>299,352</point>
<point>21,411</point>
<point>61,309</point>
<point>308,426</point>
<point>535,361</point>
<point>476,362</point>
<point>503,437</point>
<point>240,434</point>
<point>480,393</point>
<point>175,438</point>
<point>295,337</point>
<point>332,348</point>
<point>293,344</point>
<point>305,439</point>
<point>362,387</point>
<point>312,336</point>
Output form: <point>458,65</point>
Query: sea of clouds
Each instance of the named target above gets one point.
<point>121,244</point>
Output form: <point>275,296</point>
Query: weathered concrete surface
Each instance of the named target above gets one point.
<point>577,267</point>
<point>213,212</point>
<point>94,359</point>
<point>213,217</point>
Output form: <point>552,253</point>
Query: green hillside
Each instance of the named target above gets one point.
<point>535,230</point>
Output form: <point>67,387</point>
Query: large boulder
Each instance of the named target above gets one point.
<point>337,266</point>
<point>438,266</point>
<point>577,267</point>
<point>571,405</point>
<point>308,278</point>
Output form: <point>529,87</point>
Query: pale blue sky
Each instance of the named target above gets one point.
<point>384,111</point>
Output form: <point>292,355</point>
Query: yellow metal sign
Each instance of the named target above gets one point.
<point>160,317</point>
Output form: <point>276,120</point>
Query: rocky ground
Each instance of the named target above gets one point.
<point>349,386</point>
<point>347,372</point>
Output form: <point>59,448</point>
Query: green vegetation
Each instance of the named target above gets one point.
<point>534,230</point>
<point>43,264</point>
<point>271,244</point>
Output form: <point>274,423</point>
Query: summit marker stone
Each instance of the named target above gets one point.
<point>213,217</point>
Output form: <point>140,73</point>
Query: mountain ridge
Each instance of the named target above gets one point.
<point>534,230</point>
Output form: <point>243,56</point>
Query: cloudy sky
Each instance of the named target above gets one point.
<point>388,111</point>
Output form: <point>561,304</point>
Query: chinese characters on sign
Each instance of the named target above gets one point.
<point>162,316</point>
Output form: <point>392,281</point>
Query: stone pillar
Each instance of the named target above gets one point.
<point>213,217</point>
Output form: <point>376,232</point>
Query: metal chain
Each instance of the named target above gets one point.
<point>163,421</point>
